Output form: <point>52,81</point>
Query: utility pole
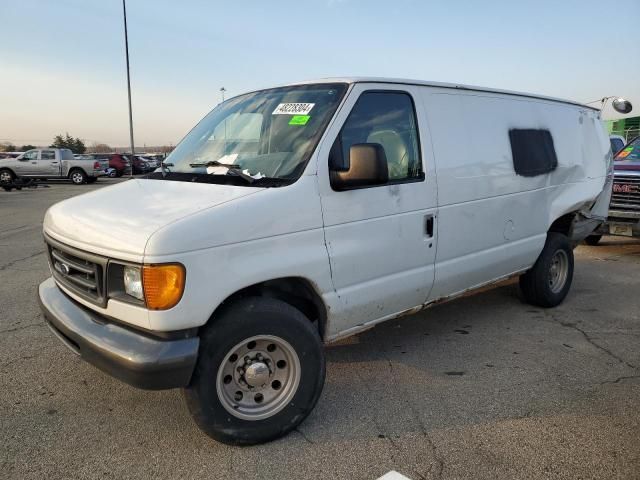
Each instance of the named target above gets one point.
<point>126,48</point>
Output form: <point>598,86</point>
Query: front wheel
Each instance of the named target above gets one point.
<point>260,372</point>
<point>6,176</point>
<point>78,177</point>
<point>549,280</point>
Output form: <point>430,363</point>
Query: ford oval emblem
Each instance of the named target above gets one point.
<point>63,268</point>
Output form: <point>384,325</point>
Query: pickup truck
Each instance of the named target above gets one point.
<point>624,210</point>
<point>51,163</point>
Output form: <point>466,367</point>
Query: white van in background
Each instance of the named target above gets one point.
<point>302,214</point>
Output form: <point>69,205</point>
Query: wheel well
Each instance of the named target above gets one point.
<point>297,292</point>
<point>8,169</point>
<point>563,225</point>
<point>73,169</point>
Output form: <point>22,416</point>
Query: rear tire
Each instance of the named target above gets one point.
<point>593,240</point>
<point>549,280</point>
<point>260,372</point>
<point>78,177</point>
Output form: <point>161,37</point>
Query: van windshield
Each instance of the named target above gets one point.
<point>269,133</point>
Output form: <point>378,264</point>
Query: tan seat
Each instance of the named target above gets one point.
<point>396,151</point>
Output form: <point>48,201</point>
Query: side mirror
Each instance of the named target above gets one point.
<point>367,165</point>
<point>621,105</point>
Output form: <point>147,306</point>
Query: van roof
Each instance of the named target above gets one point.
<point>456,86</point>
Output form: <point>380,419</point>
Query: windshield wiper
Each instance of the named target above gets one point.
<point>214,163</point>
<point>233,168</point>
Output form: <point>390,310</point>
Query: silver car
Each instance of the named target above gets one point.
<point>48,163</point>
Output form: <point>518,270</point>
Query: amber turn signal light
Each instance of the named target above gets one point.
<point>163,285</point>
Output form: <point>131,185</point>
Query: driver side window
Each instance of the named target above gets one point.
<point>31,155</point>
<point>388,119</point>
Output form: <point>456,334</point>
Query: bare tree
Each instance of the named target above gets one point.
<point>7,147</point>
<point>166,148</point>
<point>97,147</point>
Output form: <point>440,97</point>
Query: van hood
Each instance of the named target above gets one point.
<point>117,221</point>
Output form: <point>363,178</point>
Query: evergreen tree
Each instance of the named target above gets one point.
<point>76,145</point>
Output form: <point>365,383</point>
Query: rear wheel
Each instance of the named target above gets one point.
<point>592,240</point>
<point>78,177</point>
<point>260,372</point>
<point>6,176</point>
<point>549,280</point>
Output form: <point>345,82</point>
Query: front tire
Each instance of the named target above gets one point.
<point>260,372</point>
<point>6,176</point>
<point>549,280</point>
<point>78,177</point>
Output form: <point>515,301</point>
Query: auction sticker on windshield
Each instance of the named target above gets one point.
<point>299,120</point>
<point>293,109</point>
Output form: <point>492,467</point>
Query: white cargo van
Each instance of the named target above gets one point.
<point>294,216</point>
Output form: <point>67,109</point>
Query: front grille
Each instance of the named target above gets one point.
<point>80,272</point>
<point>626,192</point>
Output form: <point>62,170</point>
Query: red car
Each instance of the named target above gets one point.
<point>120,163</point>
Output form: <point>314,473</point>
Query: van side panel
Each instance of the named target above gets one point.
<point>492,222</point>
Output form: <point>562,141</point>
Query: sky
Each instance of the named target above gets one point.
<point>62,62</point>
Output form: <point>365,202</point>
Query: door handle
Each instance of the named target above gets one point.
<point>34,163</point>
<point>54,163</point>
<point>428,225</point>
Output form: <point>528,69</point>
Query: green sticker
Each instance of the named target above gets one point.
<point>299,119</point>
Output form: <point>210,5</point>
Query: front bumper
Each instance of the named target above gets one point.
<point>133,357</point>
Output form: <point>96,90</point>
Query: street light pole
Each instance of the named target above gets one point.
<point>126,48</point>
<point>222,90</point>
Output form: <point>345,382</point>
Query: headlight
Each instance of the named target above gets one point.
<point>133,282</point>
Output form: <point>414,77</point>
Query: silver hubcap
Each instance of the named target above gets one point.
<point>5,177</point>
<point>558,271</point>
<point>258,377</point>
<point>76,177</point>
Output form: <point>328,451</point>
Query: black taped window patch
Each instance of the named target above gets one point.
<point>533,151</point>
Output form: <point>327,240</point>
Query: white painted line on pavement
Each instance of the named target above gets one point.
<point>393,475</point>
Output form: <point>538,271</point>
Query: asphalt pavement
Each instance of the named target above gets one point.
<point>482,387</point>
